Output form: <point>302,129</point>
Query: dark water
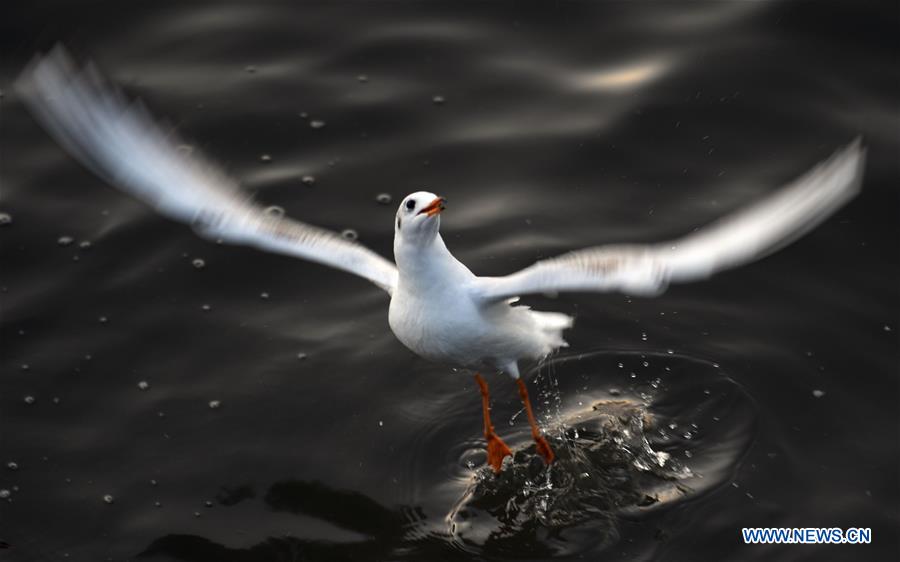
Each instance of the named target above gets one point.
<point>767,396</point>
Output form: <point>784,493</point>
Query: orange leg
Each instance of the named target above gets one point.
<point>496,448</point>
<point>543,448</point>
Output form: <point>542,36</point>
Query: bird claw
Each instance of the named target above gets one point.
<point>497,450</point>
<point>543,448</point>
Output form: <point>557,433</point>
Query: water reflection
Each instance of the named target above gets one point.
<point>633,433</point>
<point>626,77</point>
<point>382,529</point>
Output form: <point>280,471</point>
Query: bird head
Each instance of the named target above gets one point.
<point>418,217</point>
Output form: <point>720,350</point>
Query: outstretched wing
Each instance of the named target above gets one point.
<point>120,142</point>
<point>745,236</point>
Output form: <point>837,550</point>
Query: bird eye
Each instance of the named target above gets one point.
<point>411,204</point>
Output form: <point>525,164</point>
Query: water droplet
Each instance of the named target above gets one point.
<point>274,211</point>
<point>208,503</point>
<point>206,308</point>
<point>621,365</point>
<point>198,263</point>
<point>5,219</point>
<point>384,198</point>
<point>4,494</point>
<point>64,240</point>
<point>317,123</point>
<point>380,423</point>
<point>103,319</point>
<point>438,100</point>
<point>688,435</point>
<point>688,454</point>
<point>249,69</point>
<point>308,180</point>
<point>615,392</point>
<point>157,504</point>
<point>108,498</point>
<point>818,393</point>
<point>887,328</point>
<point>643,336</point>
<point>24,366</point>
<point>301,356</point>
<point>362,78</point>
<point>264,295</point>
<point>349,234</point>
<point>84,244</point>
<point>29,399</point>
<point>215,404</point>
<point>143,385</point>
<point>153,482</point>
<point>646,363</point>
<point>196,514</point>
<point>12,465</point>
<point>670,351</point>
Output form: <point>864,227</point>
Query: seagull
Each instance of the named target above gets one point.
<point>439,309</point>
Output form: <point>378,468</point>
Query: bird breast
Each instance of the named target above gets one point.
<point>442,324</point>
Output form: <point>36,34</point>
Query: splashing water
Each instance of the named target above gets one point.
<point>616,455</point>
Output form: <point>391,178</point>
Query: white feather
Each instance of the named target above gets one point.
<point>746,236</point>
<point>120,142</point>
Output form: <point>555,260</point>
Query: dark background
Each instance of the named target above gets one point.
<point>565,124</point>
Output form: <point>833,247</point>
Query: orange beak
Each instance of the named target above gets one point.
<point>434,208</point>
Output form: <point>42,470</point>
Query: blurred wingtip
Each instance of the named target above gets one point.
<point>843,171</point>
<point>856,152</point>
<point>860,145</point>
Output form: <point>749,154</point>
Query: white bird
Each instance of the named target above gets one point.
<point>438,308</point>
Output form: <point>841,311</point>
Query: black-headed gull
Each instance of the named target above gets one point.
<point>439,309</point>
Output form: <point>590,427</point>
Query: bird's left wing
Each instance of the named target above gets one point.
<point>120,142</point>
<point>745,236</point>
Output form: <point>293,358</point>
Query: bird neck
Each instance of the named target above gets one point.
<point>422,265</point>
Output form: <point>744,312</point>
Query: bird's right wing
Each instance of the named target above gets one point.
<point>120,142</point>
<point>747,235</point>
